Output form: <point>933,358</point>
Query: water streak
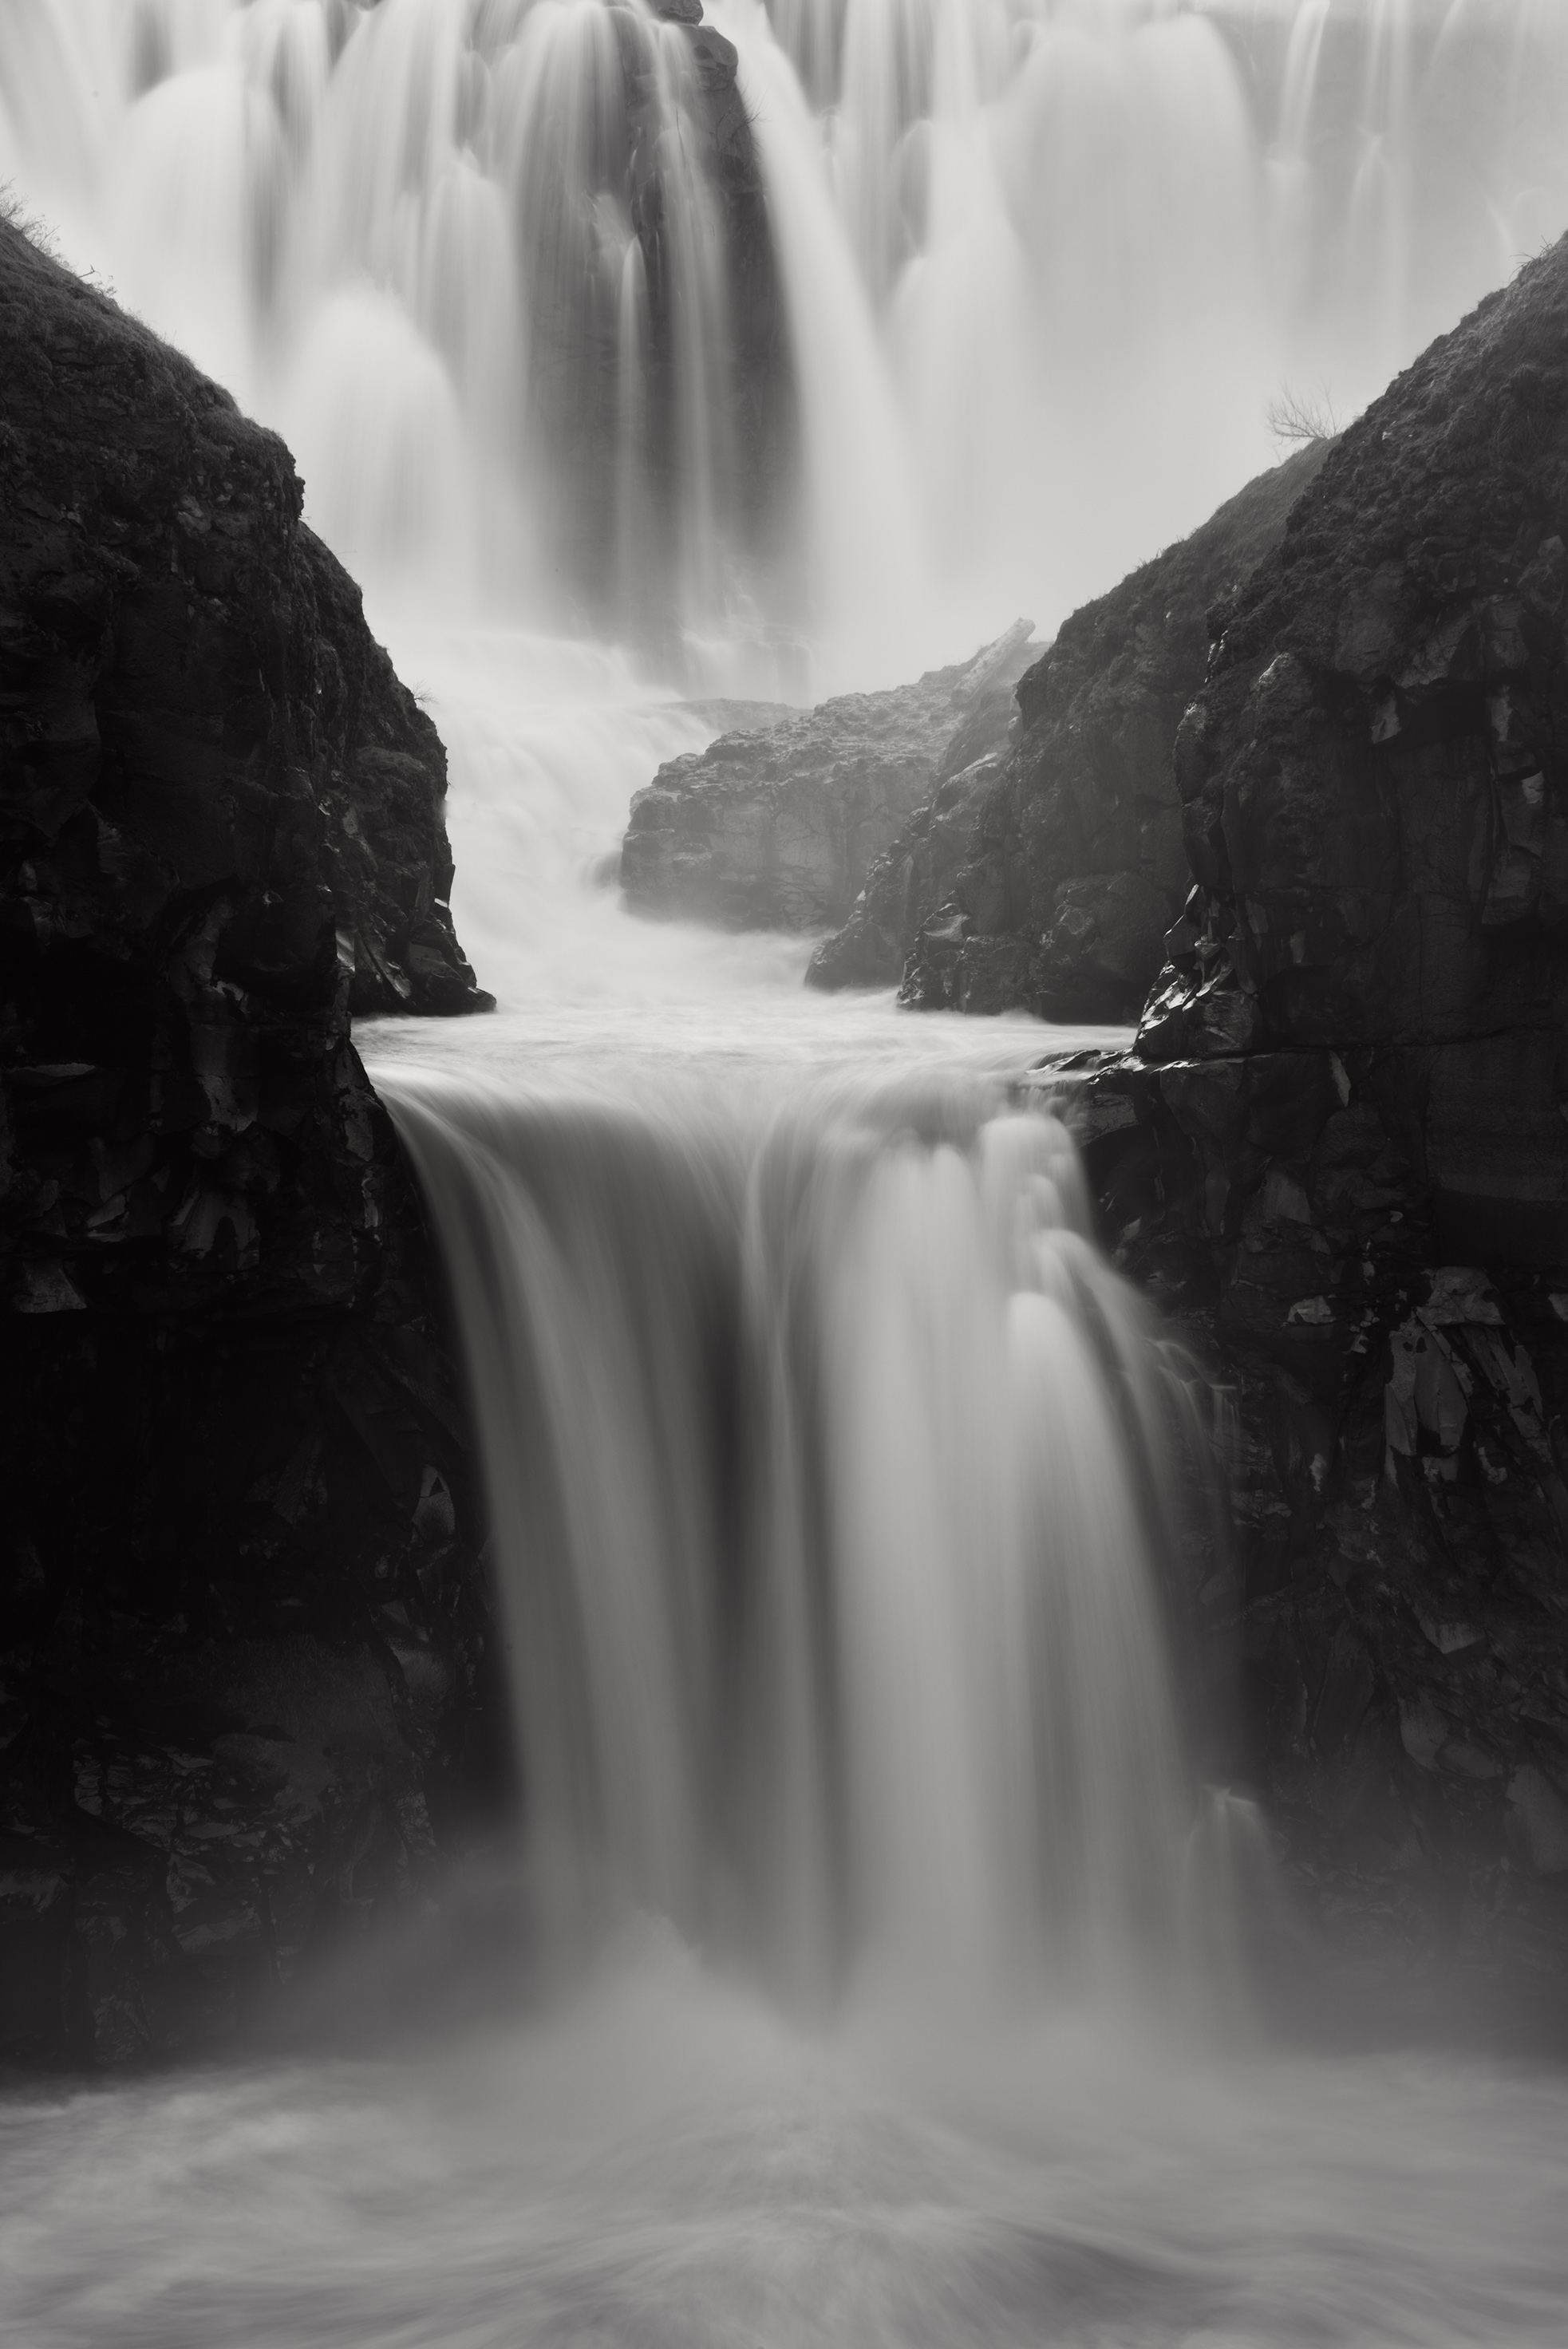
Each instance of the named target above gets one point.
<point>828,1471</point>
<point>1044,264</point>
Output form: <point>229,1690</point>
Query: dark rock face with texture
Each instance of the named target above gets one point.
<point>240,1624</point>
<point>776,830</point>
<point>1340,1151</point>
<point>194,715</point>
<point>1048,882</point>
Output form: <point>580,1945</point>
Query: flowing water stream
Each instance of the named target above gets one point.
<point>1043,264</point>
<point>897,1934</point>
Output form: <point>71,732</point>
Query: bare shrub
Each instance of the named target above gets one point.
<point>18,214</point>
<point>1299,418</point>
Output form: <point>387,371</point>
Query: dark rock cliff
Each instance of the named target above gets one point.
<point>775,830</point>
<point>1340,1153</point>
<point>1046,880</point>
<point>239,1621</point>
<point>187,666</point>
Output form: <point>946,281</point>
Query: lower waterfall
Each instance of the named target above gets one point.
<point>839,1489</point>
<point>832,1474</point>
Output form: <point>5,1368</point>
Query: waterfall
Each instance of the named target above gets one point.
<point>831,1474</point>
<point>847,1509</point>
<point>404,234</point>
<point>1005,308</point>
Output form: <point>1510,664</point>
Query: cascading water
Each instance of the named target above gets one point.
<point>1003,311</point>
<point>818,1452</point>
<point>469,259</point>
<point>824,1454</point>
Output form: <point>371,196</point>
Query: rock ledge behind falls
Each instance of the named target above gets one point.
<point>774,828</point>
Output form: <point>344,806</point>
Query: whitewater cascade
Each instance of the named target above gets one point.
<point>830,1469</point>
<point>945,310</point>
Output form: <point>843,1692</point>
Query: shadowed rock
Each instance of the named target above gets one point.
<point>1046,879</point>
<point>1340,1151</point>
<point>776,830</point>
<point>241,1625</point>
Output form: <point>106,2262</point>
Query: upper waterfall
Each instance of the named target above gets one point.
<point>554,298</point>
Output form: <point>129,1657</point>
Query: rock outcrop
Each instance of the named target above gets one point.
<point>240,1623</point>
<point>1340,1153</point>
<point>776,830</point>
<point>1046,880</point>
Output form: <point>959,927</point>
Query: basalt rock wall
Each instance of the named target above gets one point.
<point>241,1630</point>
<point>1340,1155</point>
<point>775,828</point>
<point>1045,878</point>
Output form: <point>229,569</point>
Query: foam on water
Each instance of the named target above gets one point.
<point>670,2166</point>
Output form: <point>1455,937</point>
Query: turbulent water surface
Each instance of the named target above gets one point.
<point>666,2165</point>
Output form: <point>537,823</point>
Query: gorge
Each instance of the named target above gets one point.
<point>686,1657</point>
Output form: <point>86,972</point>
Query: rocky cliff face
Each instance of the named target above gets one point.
<point>775,830</point>
<point>1340,1151</point>
<point>238,1619</point>
<point>1046,880</point>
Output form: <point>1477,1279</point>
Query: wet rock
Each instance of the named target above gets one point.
<point>1069,846</point>
<point>776,830</point>
<point>242,1639</point>
<point>1339,1152</point>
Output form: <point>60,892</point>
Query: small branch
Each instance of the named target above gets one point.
<point>1300,418</point>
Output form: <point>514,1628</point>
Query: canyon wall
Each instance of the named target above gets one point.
<point>775,828</point>
<point>1044,879</point>
<point>242,1637</point>
<point>1338,1152</point>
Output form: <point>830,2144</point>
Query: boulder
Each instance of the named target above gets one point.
<point>1070,847</point>
<point>775,828</point>
<point>241,1626</point>
<point>1339,1152</point>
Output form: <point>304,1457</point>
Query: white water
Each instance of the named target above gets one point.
<point>668,2165</point>
<point>828,1465</point>
<point>1046,262</point>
